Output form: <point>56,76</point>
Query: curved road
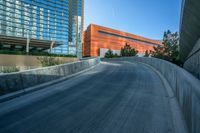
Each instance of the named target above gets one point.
<point>114,97</point>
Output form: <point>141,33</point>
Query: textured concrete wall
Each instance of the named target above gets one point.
<point>21,80</point>
<point>192,64</point>
<point>189,27</point>
<point>185,86</point>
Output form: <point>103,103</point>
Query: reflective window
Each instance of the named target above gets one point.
<point>43,19</point>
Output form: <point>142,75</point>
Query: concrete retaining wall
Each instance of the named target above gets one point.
<point>192,64</point>
<point>189,27</point>
<point>185,86</point>
<point>21,80</point>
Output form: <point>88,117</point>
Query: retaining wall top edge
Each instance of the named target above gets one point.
<point>43,68</point>
<point>192,80</point>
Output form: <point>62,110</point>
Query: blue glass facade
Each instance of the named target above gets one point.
<point>75,26</point>
<point>40,19</point>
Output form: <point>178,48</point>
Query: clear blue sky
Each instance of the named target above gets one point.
<point>148,18</point>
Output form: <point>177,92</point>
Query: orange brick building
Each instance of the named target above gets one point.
<point>98,37</point>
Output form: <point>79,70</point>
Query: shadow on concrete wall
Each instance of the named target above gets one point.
<point>22,80</point>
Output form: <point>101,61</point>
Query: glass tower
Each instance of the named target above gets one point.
<point>55,20</point>
<point>75,26</point>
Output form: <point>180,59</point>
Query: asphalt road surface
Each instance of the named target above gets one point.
<point>114,97</point>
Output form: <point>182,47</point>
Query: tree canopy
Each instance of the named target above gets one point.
<point>128,51</point>
<point>170,48</point>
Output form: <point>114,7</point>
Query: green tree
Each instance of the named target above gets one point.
<point>128,51</point>
<point>109,54</point>
<point>147,53</point>
<point>170,48</point>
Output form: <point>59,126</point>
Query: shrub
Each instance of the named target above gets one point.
<point>116,55</point>
<point>109,54</point>
<point>128,51</point>
<point>9,69</point>
<point>147,53</point>
<point>49,61</point>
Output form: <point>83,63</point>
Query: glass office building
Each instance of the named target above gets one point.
<point>52,20</point>
<point>75,26</point>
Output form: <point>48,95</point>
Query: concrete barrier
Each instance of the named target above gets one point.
<point>25,79</point>
<point>185,86</point>
<point>192,64</point>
